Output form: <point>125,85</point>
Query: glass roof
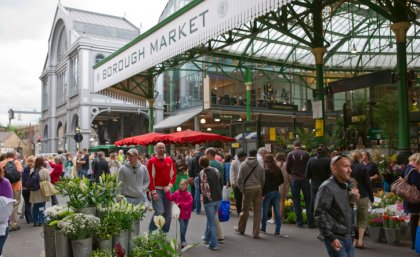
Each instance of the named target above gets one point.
<point>357,38</point>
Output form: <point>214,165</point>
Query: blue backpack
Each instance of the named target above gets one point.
<point>32,184</point>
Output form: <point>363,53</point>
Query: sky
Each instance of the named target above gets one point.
<point>25,26</point>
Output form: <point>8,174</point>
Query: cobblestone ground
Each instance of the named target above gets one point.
<point>28,242</point>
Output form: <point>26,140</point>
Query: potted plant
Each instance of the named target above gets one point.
<point>109,226</point>
<point>375,223</point>
<point>53,215</point>
<point>79,228</point>
<point>393,227</point>
<point>106,189</point>
<point>81,194</point>
<point>156,244</point>
<point>121,213</point>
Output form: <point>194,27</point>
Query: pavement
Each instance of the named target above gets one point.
<point>302,242</point>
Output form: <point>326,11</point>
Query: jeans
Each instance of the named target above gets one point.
<point>197,195</point>
<point>192,187</point>
<point>238,199</point>
<point>210,234</point>
<point>38,213</point>
<point>3,240</point>
<point>183,225</point>
<point>413,226</point>
<point>347,249</point>
<point>297,186</point>
<point>162,207</point>
<point>274,198</point>
<point>82,173</point>
<point>28,205</point>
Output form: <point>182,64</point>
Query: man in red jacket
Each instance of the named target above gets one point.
<point>162,176</point>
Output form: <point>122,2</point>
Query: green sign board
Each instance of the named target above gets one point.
<point>226,116</point>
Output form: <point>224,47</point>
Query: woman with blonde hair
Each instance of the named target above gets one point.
<point>30,162</point>
<point>284,188</point>
<point>114,164</point>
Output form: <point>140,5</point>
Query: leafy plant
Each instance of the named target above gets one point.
<point>384,115</point>
<point>106,189</point>
<point>102,253</point>
<point>79,192</point>
<point>375,220</point>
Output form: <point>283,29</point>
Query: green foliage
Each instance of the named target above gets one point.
<point>307,138</point>
<point>384,115</point>
<point>337,138</point>
<point>291,217</point>
<point>102,253</point>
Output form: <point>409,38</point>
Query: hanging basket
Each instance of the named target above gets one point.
<point>82,247</point>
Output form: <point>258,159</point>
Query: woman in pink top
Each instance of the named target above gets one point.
<point>184,201</point>
<point>55,175</point>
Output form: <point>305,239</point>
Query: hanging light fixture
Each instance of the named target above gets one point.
<point>178,129</point>
<point>208,129</point>
<point>216,119</point>
<point>203,120</point>
<point>353,50</point>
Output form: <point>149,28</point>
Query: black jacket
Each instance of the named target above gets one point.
<point>333,212</point>
<point>318,170</point>
<point>194,168</point>
<point>99,167</point>
<point>296,163</point>
<point>361,175</point>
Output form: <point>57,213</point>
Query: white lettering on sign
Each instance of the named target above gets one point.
<point>196,26</point>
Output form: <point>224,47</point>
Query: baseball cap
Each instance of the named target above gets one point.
<point>133,151</point>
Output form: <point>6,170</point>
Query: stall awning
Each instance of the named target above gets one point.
<point>176,120</point>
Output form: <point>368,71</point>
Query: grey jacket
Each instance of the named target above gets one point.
<point>134,180</point>
<point>256,180</point>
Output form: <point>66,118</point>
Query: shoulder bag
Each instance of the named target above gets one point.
<point>408,192</point>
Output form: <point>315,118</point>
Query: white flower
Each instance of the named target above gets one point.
<point>159,221</point>
<point>175,211</point>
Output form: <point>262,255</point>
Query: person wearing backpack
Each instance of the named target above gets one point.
<point>13,171</point>
<point>38,200</point>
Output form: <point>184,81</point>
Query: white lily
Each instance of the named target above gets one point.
<point>159,221</point>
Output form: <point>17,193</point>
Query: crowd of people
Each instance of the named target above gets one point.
<point>331,184</point>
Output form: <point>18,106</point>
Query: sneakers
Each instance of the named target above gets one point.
<point>183,245</point>
<point>279,235</point>
<point>204,240</point>
<point>271,221</point>
<point>221,240</point>
<point>212,248</point>
<point>262,231</point>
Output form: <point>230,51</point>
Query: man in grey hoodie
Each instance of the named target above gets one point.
<point>134,178</point>
<point>251,180</point>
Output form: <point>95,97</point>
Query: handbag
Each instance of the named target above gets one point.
<point>226,193</point>
<point>47,188</point>
<point>408,192</point>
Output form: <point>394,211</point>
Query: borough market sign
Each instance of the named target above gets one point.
<point>193,25</point>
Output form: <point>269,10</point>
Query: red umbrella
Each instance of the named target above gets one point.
<point>195,137</point>
<point>145,139</point>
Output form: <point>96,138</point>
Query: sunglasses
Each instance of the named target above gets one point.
<point>337,158</point>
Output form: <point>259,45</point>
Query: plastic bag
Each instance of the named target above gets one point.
<point>224,211</point>
<point>226,193</point>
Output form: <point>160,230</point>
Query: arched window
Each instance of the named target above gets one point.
<point>62,45</point>
<point>99,58</point>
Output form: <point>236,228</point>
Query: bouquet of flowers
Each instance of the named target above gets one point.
<point>79,226</point>
<point>56,213</point>
<point>375,220</point>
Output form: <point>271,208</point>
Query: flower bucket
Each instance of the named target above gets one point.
<point>392,236</point>
<point>62,245</point>
<point>105,244</point>
<point>123,238</point>
<point>135,231</point>
<point>376,234</point>
<point>49,241</point>
<point>87,210</point>
<point>82,248</point>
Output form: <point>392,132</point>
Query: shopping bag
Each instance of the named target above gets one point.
<point>224,210</point>
<point>47,188</point>
<point>226,193</point>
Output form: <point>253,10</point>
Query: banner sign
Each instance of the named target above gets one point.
<point>195,26</point>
